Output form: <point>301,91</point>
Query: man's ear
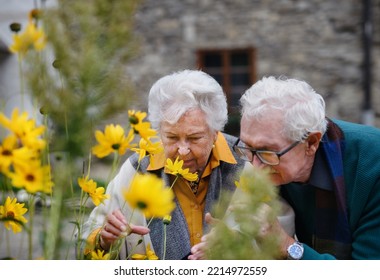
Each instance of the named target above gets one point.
<point>312,142</point>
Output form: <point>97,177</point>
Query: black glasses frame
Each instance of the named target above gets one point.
<point>257,152</point>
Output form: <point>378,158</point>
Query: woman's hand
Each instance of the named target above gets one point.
<point>198,251</point>
<point>116,226</point>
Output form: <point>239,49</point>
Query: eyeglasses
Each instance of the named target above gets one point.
<point>267,157</point>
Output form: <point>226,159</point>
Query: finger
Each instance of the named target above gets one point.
<point>139,229</point>
<point>115,225</point>
<point>191,257</point>
<point>106,239</point>
<point>110,232</point>
<point>199,255</point>
<point>195,248</point>
<point>195,257</point>
<point>210,219</point>
<point>120,216</point>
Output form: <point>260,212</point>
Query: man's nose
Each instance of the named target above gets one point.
<point>256,162</point>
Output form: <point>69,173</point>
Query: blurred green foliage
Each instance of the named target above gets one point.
<point>80,81</point>
<point>239,235</point>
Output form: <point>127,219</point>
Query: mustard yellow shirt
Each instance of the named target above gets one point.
<point>193,205</point>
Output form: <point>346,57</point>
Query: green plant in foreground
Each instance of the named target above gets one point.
<point>242,232</point>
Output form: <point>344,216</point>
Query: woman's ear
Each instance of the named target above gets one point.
<point>312,142</point>
<point>215,136</point>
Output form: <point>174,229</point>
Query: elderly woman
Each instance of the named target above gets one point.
<point>189,111</point>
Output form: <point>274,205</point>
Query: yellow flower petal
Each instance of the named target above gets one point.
<point>90,187</point>
<point>175,168</point>
<point>99,255</point>
<point>148,194</point>
<point>112,140</point>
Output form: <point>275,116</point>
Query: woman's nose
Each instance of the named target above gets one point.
<point>183,150</point>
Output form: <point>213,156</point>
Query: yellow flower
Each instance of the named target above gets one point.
<point>11,154</point>
<point>140,127</point>
<point>176,169</point>
<point>25,129</point>
<point>150,255</point>
<point>32,37</point>
<point>96,193</point>
<point>99,255</point>
<point>33,177</point>
<point>147,147</point>
<point>12,212</point>
<point>148,194</point>
<point>112,140</point>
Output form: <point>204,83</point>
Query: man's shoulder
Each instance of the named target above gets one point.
<point>351,127</point>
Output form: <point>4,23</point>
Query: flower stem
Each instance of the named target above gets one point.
<point>21,80</point>
<point>31,222</point>
<point>164,253</point>
<point>175,180</point>
<point>114,166</point>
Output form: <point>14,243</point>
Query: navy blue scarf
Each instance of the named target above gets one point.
<point>332,231</point>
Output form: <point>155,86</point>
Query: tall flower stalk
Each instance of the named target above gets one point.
<point>31,38</point>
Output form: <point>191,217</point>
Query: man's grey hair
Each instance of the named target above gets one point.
<point>303,109</point>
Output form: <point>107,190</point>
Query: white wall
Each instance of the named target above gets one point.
<point>12,11</point>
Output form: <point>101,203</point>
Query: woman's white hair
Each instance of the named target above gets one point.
<point>175,94</point>
<point>303,109</point>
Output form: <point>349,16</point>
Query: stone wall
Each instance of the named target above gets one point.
<point>319,41</point>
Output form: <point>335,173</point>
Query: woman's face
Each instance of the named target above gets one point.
<point>190,139</point>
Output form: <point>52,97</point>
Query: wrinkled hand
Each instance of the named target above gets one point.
<point>198,251</point>
<point>115,226</point>
<point>273,229</point>
<point>276,229</point>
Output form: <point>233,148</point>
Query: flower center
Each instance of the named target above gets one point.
<point>133,119</point>
<point>115,146</point>
<point>10,214</point>
<point>141,205</point>
<point>6,153</point>
<point>30,178</point>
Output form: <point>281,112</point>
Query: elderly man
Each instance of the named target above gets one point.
<point>327,170</point>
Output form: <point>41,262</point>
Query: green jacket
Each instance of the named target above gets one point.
<point>361,169</point>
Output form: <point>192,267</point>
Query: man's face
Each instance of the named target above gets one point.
<point>265,134</point>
